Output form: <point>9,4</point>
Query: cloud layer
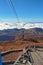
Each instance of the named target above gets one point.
<point>20,25</point>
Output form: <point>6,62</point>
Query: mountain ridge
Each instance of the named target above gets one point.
<point>12,34</point>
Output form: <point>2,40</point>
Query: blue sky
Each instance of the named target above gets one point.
<point>27,10</point>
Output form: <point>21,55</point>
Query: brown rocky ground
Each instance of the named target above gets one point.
<point>18,44</point>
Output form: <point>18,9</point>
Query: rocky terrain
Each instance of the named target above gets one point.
<point>22,38</point>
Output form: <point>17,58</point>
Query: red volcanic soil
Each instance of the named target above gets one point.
<point>11,57</point>
<point>18,44</point>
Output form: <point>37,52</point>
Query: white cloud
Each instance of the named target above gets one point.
<point>38,25</point>
<point>12,23</point>
<point>20,25</point>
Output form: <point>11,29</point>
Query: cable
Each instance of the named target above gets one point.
<point>12,6</point>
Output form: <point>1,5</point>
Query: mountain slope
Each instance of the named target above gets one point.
<point>11,34</point>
